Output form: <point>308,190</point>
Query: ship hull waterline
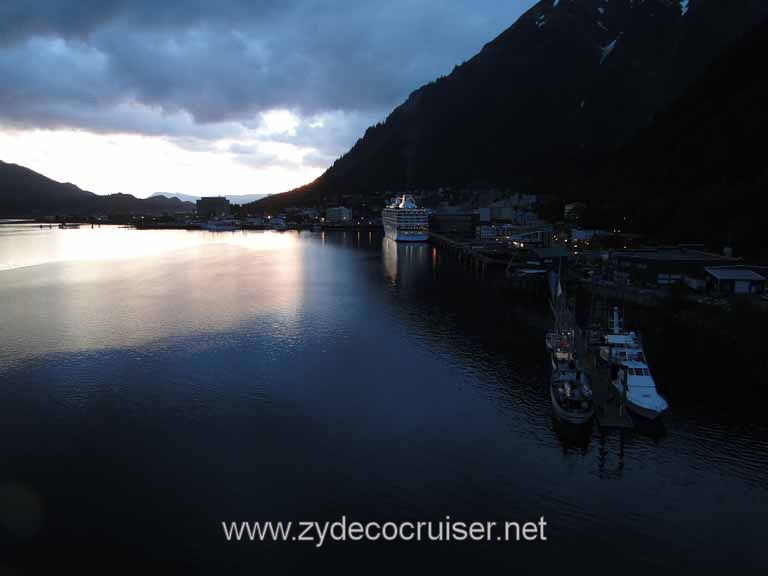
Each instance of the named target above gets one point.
<point>643,412</point>
<point>399,236</point>
<point>577,418</point>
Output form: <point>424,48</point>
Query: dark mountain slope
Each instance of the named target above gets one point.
<point>25,193</point>
<point>698,172</point>
<point>567,83</point>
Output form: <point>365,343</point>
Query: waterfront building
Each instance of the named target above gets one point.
<point>579,234</point>
<point>212,207</point>
<point>495,231</point>
<point>517,209</point>
<point>519,236</point>
<point>574,211</point>
<point>734,280</point>
<point>337,214</point>
<point>453,220</point>
<point>667,265</point>
<point>554,258</point>
<point>276,223</point>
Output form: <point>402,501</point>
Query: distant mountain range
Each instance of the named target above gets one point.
<point>651,110</point>
<point>543,104</point>
<point>25,193</point>
<point>233,198</point>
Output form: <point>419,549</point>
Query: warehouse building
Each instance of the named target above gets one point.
<point>734,280</point>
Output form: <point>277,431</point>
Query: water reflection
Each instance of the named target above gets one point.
<point>610,456</point>
<point>80,290</point>
<point>24,245</point>
<point>403,261</point>
<point>572,438</point>
<point>318,374</point>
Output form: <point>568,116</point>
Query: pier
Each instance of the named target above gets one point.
<point>610,411</point>
<point>473,254</point>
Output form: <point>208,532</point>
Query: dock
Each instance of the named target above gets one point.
<point>479,256</point>
<point>610,411</point>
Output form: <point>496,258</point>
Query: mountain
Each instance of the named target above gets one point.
<point>25,193</point>
<point>696,173</point>
<point>233,198</point>
<point>566,84</point>
<point>183,197</point>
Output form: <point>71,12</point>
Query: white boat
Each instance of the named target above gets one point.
<point>220,225</point>
<point>630,373</point>
<point>405,222</point>
<point>277,223</point>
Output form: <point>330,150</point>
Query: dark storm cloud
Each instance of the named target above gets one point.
<point>79,18</point>
<point>181,67</point>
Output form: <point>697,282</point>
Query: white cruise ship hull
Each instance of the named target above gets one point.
<point>400,235</point>
<point>405,222</point>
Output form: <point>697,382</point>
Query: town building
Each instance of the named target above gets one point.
<point>734,280</point>
<point>667,265</point>
<point>516,209</point>
<point>518,236</point>
<point>453,220</point>
<point>579,234</point>
<point>574,211</point>
<point>337,214</point>
<point>494,231</point>
<point>254,221</point>
<point>212,207</point>
<point>554,258</point>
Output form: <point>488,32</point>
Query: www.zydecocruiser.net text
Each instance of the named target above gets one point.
<point>344,531</point>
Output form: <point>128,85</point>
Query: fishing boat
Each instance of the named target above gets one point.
<point>571,394</point>
<point>630,373</point>
<point>569,388</point>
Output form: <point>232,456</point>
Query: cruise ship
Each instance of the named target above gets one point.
<point>405,222</point>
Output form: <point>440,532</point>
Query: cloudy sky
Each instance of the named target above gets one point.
<point>226,96</point>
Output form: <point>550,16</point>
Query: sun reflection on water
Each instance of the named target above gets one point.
<point>29,245</point>
<point>87,289</point>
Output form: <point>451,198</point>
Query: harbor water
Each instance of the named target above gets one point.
<point>154,384</point>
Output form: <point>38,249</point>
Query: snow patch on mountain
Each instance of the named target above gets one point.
<point>608,49</point>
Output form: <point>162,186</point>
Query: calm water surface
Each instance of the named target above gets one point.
<point>156,383</point>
